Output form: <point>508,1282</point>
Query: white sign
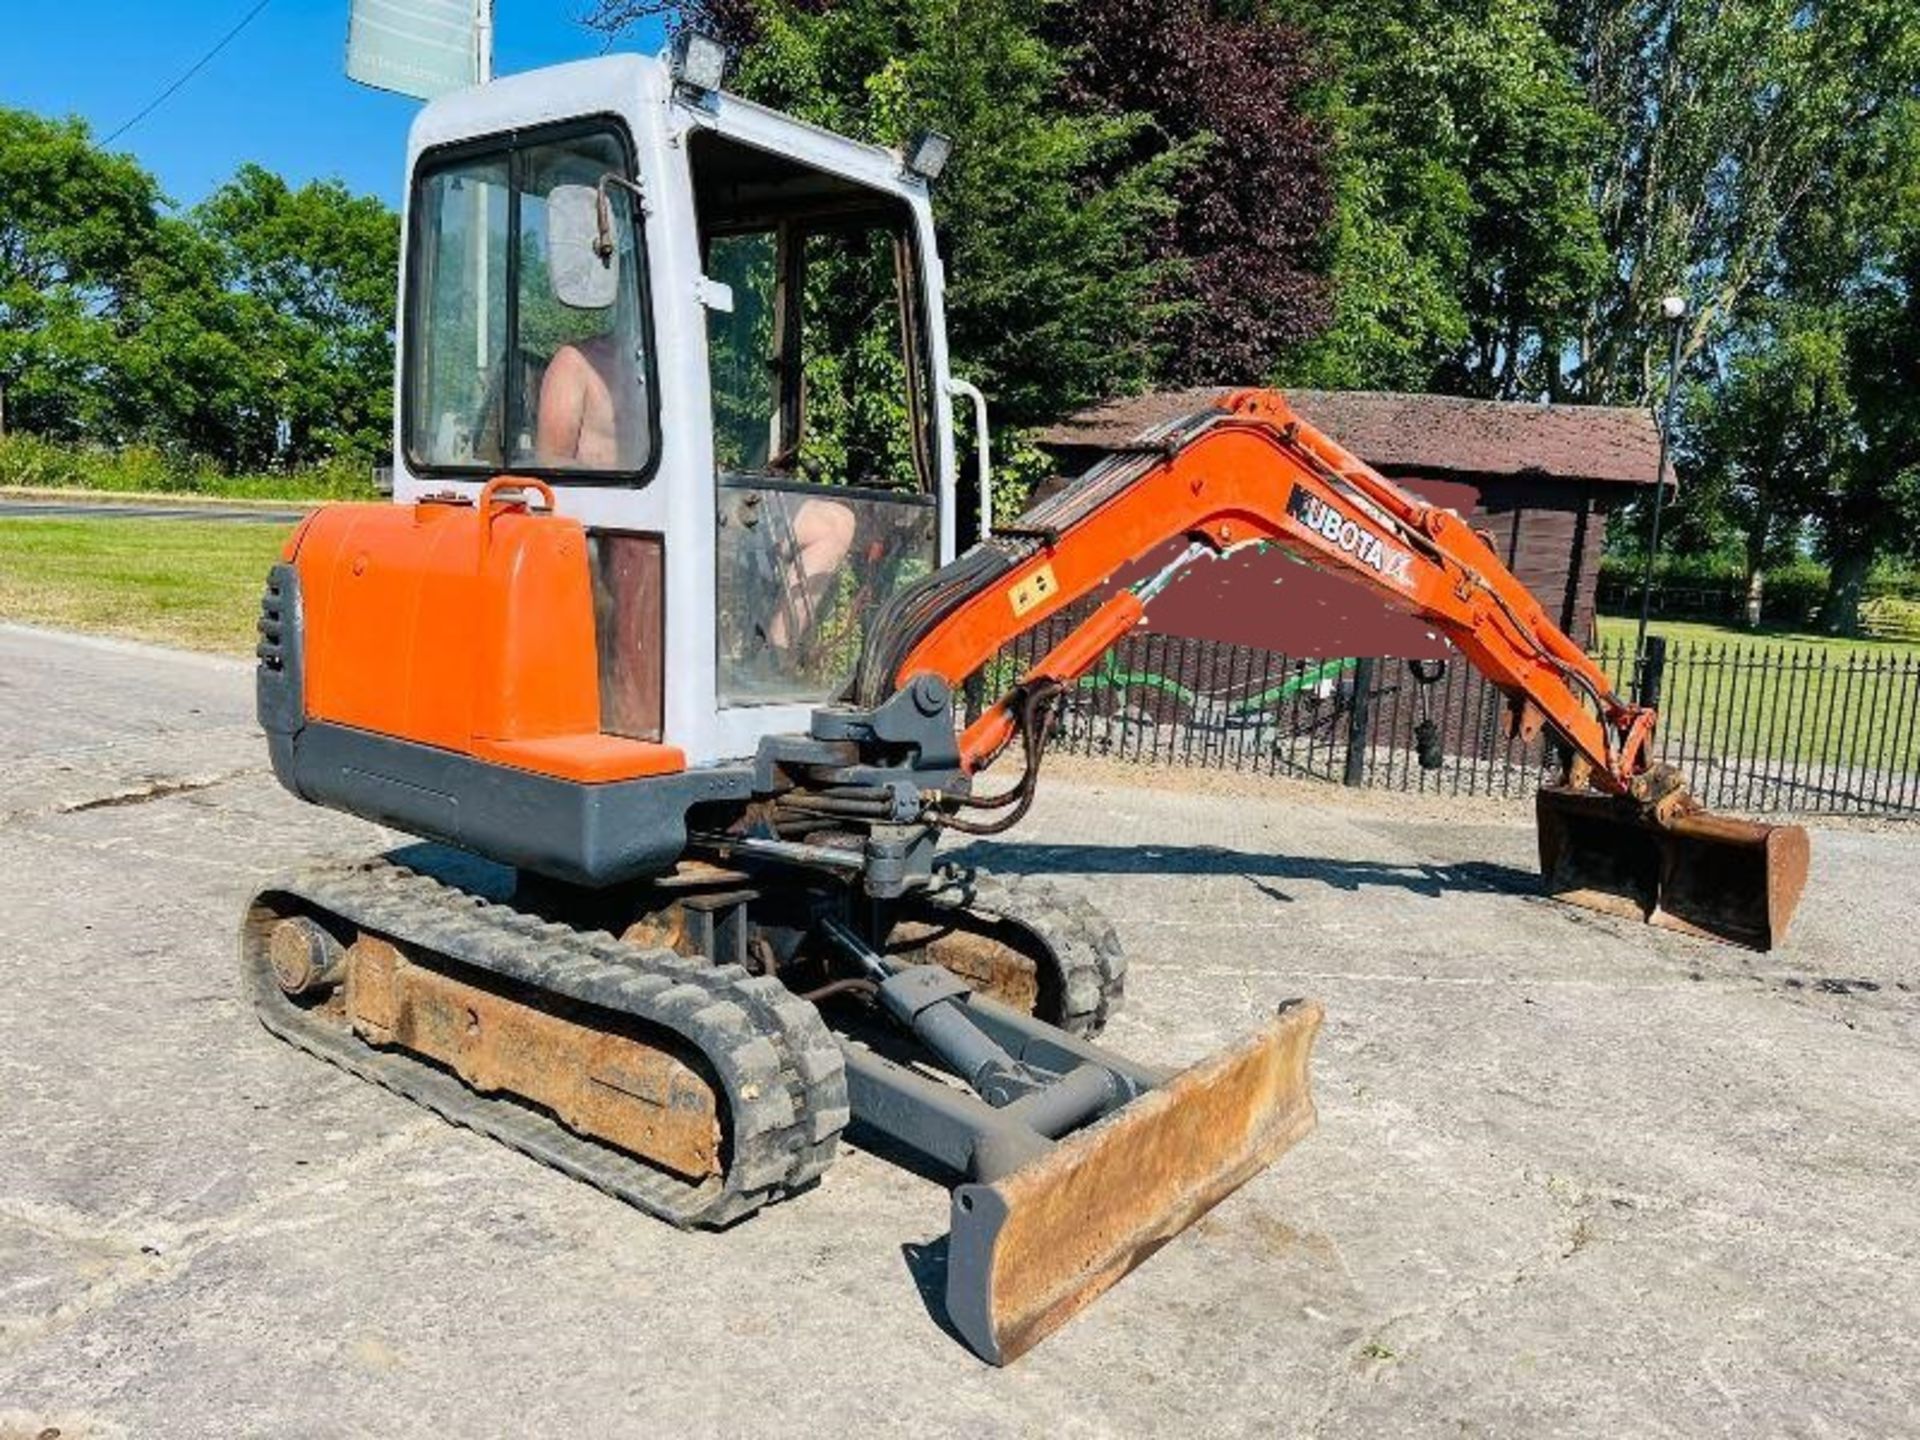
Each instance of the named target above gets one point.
<point>422,48</point>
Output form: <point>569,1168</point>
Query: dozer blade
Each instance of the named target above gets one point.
<point>1700,873</point>
<point>1031,1250</point>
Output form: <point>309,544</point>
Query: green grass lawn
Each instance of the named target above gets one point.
<point>1775,695</point>
<point>1618,630</point>
<point>177,582</point>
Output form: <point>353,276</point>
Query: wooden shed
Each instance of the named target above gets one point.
<point>1540,479</point>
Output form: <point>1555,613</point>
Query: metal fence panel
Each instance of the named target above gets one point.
<point>1755,725</point>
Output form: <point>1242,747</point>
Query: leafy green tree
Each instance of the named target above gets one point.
<point>1045,219</point>
<point>1860,245</point>
<point>1465,240</point>
<point>75,222</point>
<point>205,332</point>
<point>1225,85</point>
<point>259,331</point>
<point>193,363</point>
<point>1813,410</point>
<point>1724,118</point>
<point>1764,441</point>
<point>312,272</point>
<point>1138,194</point>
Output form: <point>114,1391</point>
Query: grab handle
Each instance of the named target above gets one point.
<point>500,485</point>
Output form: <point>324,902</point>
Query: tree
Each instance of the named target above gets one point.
<point>1138,194</point>
<point>266,306</point>
<point>194,361</point>
<point>1764,441</point>
<point>74,224</point>
<point>1860,245</point>
<point>1464,237</point>
<point>1246,238</point>
<point>1053,298</point>
<point>259,331</point>
<point>314,272</point>
<point>1812,420</point>
<point>1723,119</point>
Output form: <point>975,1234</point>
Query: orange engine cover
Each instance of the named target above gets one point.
<point>466,630</point>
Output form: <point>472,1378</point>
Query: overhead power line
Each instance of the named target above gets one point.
<point>191,71</point>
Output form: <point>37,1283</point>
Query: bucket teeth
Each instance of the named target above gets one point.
<point>1031,1250</point>
<point>1693,871</point>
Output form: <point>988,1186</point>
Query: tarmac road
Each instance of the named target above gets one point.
<point>1572,1176</point>
<point>17,508</point>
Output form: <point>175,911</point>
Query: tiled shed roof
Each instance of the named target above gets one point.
<point>1424,433</point>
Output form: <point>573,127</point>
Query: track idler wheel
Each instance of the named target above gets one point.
<point>304,956</point>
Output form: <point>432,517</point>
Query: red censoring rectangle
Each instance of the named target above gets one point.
<point>1263,598</point>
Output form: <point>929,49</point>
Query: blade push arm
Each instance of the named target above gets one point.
<point>1246,473</point>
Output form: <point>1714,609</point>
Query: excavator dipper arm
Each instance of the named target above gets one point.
<point>1618,834</point>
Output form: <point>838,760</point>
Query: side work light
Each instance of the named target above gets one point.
<point>699,61</point>
<point>927,154</point>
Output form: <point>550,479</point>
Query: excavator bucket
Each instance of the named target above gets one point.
<point>1031,1250</point>
<point>1700,873</point>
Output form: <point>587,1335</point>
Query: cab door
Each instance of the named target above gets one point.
<point>826,485</point>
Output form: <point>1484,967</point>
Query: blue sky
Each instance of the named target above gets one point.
<point>277,95</point>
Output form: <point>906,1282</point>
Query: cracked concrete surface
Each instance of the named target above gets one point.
<point>1572,1176</point>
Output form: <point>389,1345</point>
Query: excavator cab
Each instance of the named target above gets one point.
<point>715,334</point>
<point>824,442</point>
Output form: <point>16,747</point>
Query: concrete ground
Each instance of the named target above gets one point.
<point>1571,1175</point>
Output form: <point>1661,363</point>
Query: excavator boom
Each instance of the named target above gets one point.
<point>1619,833</point>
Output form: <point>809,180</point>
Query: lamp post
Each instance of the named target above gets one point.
<point>482,41</point>
<point>1673,309</point>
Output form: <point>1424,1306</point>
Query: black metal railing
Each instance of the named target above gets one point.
<point>1755,726</point>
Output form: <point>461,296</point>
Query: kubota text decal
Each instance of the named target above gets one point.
<point>1369,549</point>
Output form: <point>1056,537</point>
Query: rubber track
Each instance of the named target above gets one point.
<point>1089,967</point>
<point>777,1063</point>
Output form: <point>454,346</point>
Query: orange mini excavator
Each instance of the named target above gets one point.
<point>665,627</point>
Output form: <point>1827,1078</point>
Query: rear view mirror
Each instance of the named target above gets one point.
<point>584,270</point>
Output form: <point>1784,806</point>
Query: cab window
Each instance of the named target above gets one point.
<point>823,432</point>
<point>524,350</point>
